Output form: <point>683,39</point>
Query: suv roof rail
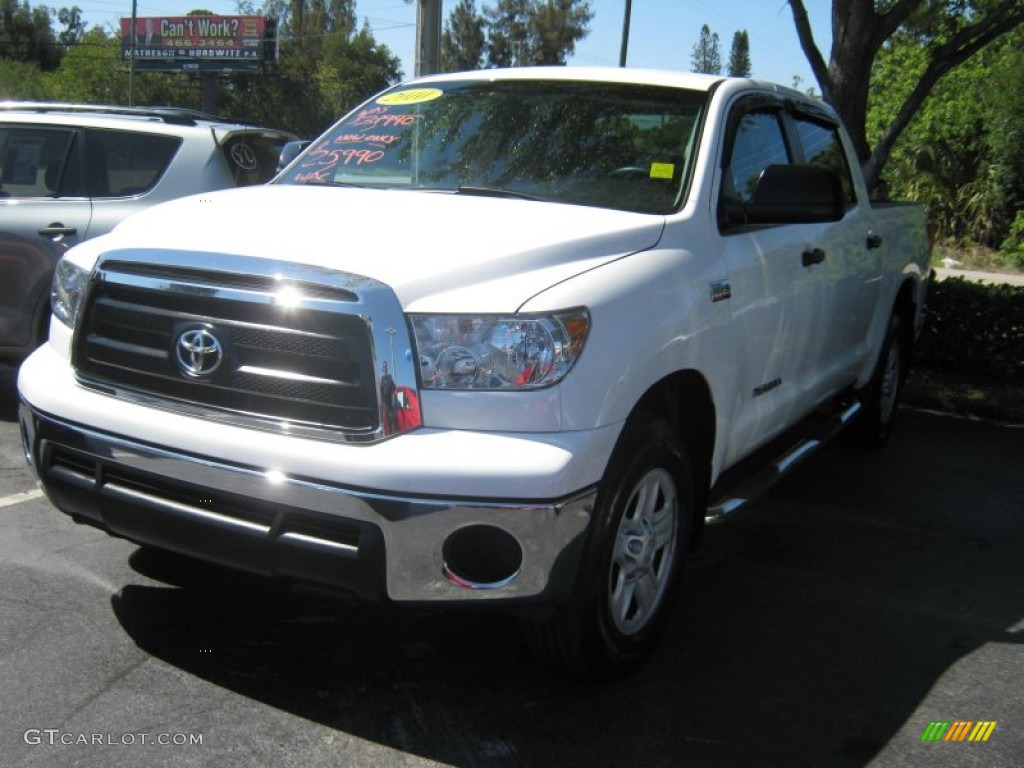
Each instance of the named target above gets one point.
<point>172,115</point>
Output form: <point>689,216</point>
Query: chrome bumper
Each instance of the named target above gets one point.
<point>369,543</point>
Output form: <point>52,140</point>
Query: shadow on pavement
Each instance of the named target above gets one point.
<point>806,633</point>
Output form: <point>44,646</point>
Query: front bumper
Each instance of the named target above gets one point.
<point>376,545</point>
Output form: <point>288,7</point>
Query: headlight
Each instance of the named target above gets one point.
<point>69,283</point>
<point>496,351</point>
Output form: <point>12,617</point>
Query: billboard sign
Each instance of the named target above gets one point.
<point>196,43</point>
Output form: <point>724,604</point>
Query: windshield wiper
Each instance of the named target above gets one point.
<point>495,192</point>
<point>324,184</point>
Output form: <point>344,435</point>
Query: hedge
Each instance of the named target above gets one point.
<point>974,330</point>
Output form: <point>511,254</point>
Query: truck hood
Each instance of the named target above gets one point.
<point>439,252</point>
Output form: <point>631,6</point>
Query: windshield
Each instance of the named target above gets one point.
<point>609,145</point>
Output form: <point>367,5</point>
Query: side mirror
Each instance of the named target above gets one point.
<point>289,152</point>
<point>789,194</point>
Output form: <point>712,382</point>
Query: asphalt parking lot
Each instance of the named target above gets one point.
<point>865,597</point>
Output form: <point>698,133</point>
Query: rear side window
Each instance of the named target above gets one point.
<point>822,146</point>
<point>122,164</point>
<point>253,159</point>
<point>33,162</point>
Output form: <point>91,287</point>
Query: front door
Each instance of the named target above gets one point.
<point>43,211</point>
<point>777,298</point>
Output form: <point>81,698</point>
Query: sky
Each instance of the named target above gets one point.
<point>662,32</point>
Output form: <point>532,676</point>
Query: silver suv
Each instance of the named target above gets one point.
<point>71,172</point>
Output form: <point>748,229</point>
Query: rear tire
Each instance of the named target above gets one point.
<point>627,581</point>
<point>881,396</point>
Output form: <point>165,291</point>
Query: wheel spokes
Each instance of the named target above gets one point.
<point>643,551</point>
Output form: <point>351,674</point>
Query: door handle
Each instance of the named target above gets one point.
<point>874,240</point>
<point>58,230</point>
<point>812,257</point>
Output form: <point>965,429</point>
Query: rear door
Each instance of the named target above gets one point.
<point>44,210</point>
<point>123,168</point>
<point>851,257</point>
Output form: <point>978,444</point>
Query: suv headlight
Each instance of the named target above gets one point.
<point>69,284</point>
<point>498,352</point>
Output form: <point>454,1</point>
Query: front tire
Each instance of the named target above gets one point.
<point>640,534</point>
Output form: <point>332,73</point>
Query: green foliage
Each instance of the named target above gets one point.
<point>739,55</point>
<point>463,41</point>
<point>94,73</point>
<point>534,32</point>
<point>974,329</point>
<point>22,80</point>
<point>1013,245</point>
<point>73,26</point>
<point>963,154</point>
<point>26,35</point>
<point>707,54</point>
<point>327,66</point>
<point>555,26</point>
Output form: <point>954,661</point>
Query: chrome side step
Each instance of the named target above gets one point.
<point>736,497</point>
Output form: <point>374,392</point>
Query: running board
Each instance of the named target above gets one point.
<point>734,498</point>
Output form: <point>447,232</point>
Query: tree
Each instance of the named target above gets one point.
<point>707,55</point>
<point>532,32</point>
<point>73,26</point>
<point>94,72</point>
<point>962,155</point>
<point>951,31</point>
<point>463,41</point>
<point>22,80</point>
<point>739,55</point>
<point>327,66</point>
<point>508,38</point>
<point>26,35</point>
<point>556,25</point>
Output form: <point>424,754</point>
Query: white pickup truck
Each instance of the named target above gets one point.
<point>507,336</point>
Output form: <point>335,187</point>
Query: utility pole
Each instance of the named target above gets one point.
<point>131,53</point>
<point>625,32</point>
<point>428,37</point>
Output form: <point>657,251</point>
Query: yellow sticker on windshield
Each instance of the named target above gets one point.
<point>412,96</point>
<point>663,170</point>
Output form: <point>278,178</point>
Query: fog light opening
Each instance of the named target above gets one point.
<point>481,557</point>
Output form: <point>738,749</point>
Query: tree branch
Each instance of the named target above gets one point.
<point>964,44</point>
<point>810,48</point>
<point>889,22</point>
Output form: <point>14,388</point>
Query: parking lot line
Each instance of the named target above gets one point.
<point>18,498</point>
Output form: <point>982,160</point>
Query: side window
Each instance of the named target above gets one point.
<point>121,164</point>
<point>758,142</point>
<point>822,146</point>
<point>33,162</point>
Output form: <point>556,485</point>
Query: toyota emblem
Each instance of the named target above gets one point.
<point>244,157</point>
<point>199,353</point>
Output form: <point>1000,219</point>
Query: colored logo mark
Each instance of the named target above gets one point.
<point>959,730</point>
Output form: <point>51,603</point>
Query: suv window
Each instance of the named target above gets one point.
<point>823,147</point>
<point>31,160</point>
<point>253,159</point>
<point>122,164</point>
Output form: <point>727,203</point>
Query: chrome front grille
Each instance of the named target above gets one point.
<point>276,351</point>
